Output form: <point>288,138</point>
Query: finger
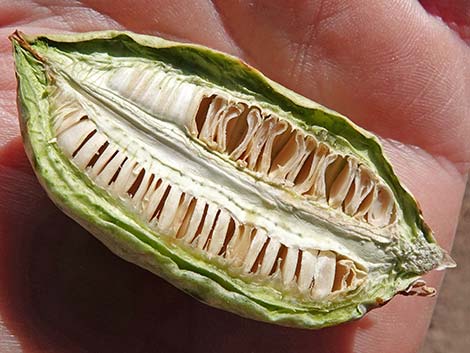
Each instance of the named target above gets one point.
<point>456,14</point>
<point>19,196</point>
<point>195,21</point>
<point>387,64</point>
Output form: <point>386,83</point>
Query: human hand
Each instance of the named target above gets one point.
<point>388,65</point>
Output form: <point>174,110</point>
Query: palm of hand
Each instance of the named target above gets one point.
<point>391,68</point>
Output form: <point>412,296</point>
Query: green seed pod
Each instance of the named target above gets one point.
<point>195,166</point>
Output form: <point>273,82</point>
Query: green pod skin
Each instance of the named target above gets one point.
<point>390,257</point>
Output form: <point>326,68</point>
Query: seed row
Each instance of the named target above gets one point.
<point>288,156</point>
<point>198,223</point>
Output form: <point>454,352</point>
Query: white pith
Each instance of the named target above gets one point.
<point>198,211</point>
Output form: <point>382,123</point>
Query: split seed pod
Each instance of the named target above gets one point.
<point>195,166</point>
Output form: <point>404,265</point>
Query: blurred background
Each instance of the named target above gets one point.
<point>450,327</point>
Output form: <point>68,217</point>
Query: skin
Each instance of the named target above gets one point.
<point>388,65</point>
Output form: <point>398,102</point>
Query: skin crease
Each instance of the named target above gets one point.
<point>388,65</point>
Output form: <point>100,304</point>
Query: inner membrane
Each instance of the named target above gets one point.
<point>246,249</point>
<point>280,153</point>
